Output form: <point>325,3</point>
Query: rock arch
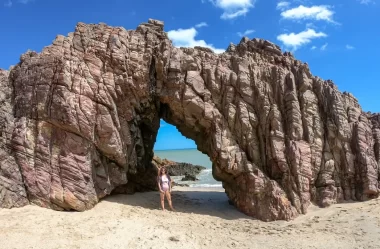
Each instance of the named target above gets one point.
<point>83,115</point>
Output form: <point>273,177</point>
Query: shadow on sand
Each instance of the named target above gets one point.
<point>211,203</point>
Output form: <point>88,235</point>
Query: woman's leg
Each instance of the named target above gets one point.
<point>169,198</point>
<point>162,197</point>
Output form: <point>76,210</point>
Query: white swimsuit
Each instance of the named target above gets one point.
<point>164,183</point>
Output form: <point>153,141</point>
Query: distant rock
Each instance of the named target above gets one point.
<point>189,177</point>
<point>177,168</point>
<point>180,184</point>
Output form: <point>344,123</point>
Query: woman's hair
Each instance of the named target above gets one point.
<point>160,171</point>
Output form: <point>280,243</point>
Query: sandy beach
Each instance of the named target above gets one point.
<point>203,219</point>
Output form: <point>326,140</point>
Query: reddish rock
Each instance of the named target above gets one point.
<point>86,113</point>
<point>12,188</point>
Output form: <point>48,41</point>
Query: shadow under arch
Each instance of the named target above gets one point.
<point>202,202</point>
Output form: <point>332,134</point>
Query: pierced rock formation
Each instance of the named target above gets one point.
<point>86,113</point>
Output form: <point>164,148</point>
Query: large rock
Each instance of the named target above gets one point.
<point>189,177</point>
<point>177,168</point>
<point>86,113</point>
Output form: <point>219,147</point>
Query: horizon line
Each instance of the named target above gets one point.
<point>175,149</point>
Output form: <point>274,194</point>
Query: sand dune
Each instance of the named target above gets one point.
<point>204,219</point>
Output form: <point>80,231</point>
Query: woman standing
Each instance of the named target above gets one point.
<point>165,187</point>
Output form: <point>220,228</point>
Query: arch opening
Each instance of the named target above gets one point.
<point>172,145</point>
<point>180,144</point>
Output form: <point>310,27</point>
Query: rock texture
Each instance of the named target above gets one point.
<point>86,113</point>
<point>12,188</point>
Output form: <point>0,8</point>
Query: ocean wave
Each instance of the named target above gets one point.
<point>207,170</point>
<point>205,185</point>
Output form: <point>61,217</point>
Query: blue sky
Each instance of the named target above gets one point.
<point>339,39</point>
<point>169,138</point>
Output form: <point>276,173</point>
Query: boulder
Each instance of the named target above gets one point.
<point>180,184</point>
<point>189,177</point>
<point>181,169</point>
<point>177,168</point>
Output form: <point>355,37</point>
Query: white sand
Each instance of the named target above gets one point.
<point>204,219</point>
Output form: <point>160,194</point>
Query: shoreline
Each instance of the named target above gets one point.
<point>203,219</point>
<point>193,157</point>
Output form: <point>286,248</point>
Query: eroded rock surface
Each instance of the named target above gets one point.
<point>12,188</point>
<point>86,113</point>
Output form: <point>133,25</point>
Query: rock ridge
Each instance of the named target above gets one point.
<point>81,118</point>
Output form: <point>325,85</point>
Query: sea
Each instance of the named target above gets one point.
<point>195,157</point>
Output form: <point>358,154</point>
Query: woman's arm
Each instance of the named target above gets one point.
<point>170,184</point>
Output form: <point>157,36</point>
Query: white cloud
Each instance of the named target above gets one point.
<point>202,24</point>
<point>186,38</point>
<point>324,46</point>
<point>234,15</point>
<point>245,33</point>
<point>349,47</point>
<point>321,12</point>
<point>8,4</point>
<point>283,5</point>
<point>313,48</point>
<point>233,8</point>
<point>366,1</point>
<point>295,41</point>
<point>163,123</point>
